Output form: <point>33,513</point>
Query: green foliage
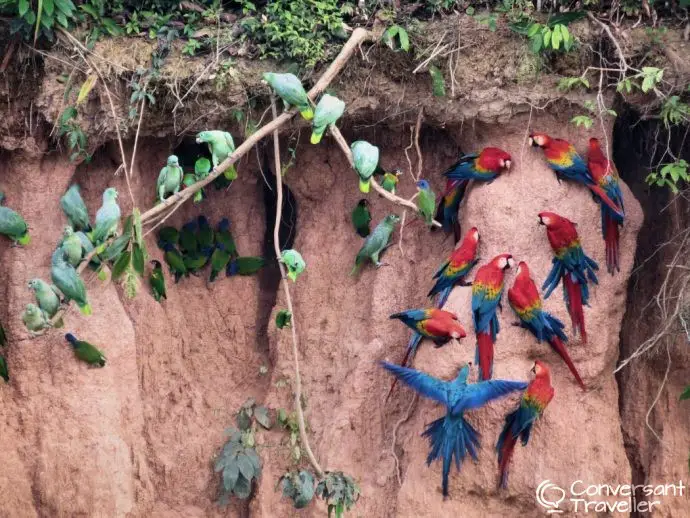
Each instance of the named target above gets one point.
<point>488,19</point>
<point>582,120</point>
<point>550,36</point>
<point>650,77</point>
<point>39,18</point>
<point>68,127</point>
<point>389,38</point>
<point>673,111</point>
<point>289,423</point>
<point>191,46</point>
<point>239,465</point>
<point>437,81</point>
<point>685,395</point>
<point>299,487</point>
<point>339,491</point>
<point>299,31</point>
<point>568,83</point>
<point>128,254</point>
<point>283,319</point>
<point>670,175</point>
<point>101,24</point>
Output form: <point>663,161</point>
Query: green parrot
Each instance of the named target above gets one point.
<point>361,218</point>
<point>175,261</point>
<point>72,246</point>
<point>3,337</point>
<point>291,91</point>
<point>224,237</point>
<point>87,248</point>
<point>168,235</point>
<point>4,373</point>
<point>13,225</point>
<point>376,243</point>
<point>107,217</point>
<point>219,260</point>
<point>205,236</point>
<point>85,351</point>
<point>202,168</point>
<point>366,158</point>
<point>67,280</point>
<point>247,265</point>
<point>47,296</point>
<point>157,281</point>
<point>426,201</point>
<point>292,259</point>
<point>221,145</point>
<point>195,262</point>
<point>328,111</point>
<point>35,319</point>
<point>390,180</point>
<point>188,242</point>
<point>75,209</point>
<point>169,179</point>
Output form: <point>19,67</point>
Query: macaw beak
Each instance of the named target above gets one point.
<point>507,165</point>
<point>198,140</point>
<point>533,370</point>
<point>541,221</point>
<point>509,263</point>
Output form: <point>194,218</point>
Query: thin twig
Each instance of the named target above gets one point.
<point>417,129</point>
<point>658,394</point>
<point>304,438</point>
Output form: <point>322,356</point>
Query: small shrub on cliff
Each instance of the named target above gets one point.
<point>339,491</point>
<point>299,487</point>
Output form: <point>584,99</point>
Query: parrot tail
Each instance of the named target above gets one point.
<point>485,356</point>
<point>85,309</point>
<point>25,239</point>
<point>604,198</point>
<point>443,297</point>
<point>409,356</point>
<point>316,136</point>
<point>611,237</point>
<point>505,447</point>
<point>230,173</point>
<point>364,186</point>
<point>573,296</point>
<point>450,436</point>
<point>307,113</point>
<point>558,346</point>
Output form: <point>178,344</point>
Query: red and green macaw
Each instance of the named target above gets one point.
<point>570,264</point>
<point>487,289</point>
<point>526,302</point>
<point>566,163</point>
<point>453,272</point>
<point>452,435</point>
<point>605,175</point>
<point>519,423</point>
<point>482,167</point>
<point>436,324</point>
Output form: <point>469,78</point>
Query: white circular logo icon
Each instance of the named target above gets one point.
<point>550,496</point>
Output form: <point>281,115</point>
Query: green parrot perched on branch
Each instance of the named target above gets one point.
<point>376,243</point>
<point>289,88</point>
<point>107,217</point>
<point>328,111</point>
<point>294,263</point>
<point>67,280</point>
<point>72,246</point>
<point>35,319</point>
<point>157,281</point>
<point>169,179</point>
<point>13,225</point>
<point>75,209</point>
<point>366,159</point>
<point>221,146</point>
<point>426,202</point>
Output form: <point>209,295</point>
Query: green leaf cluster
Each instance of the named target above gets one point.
<point>239,466</point>
<point>128,253</point>
<point>299,487</point>
<point>339,491</point>
<point>670,175</point>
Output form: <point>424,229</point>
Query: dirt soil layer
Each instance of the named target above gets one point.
<point>138,437</point>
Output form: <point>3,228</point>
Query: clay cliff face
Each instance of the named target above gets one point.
<point>138,437</point>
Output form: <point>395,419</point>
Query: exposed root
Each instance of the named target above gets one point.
<point>394,439</point>
<point>304,438</point>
